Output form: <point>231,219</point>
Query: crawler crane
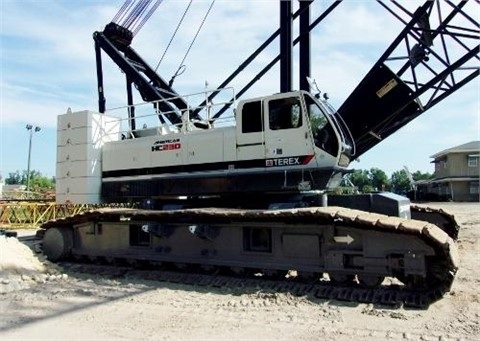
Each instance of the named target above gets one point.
<point>255,196</point>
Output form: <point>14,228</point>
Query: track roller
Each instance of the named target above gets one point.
<point>340,278</point>
<point>370,281</point>
<point>308,277</point>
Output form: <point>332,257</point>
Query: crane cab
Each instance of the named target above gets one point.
<point>292,129</point>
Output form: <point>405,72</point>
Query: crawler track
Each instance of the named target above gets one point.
<point>368,229</point>
<point>391,295</point>
<point>438,217</point>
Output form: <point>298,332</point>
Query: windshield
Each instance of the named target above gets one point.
<point>323,132</point>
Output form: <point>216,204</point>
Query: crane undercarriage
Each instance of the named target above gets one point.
<point>355,248</point>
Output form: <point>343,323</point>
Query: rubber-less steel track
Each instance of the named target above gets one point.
<point>442,267</point>
<point>391,295</point>
<point>436,216</point>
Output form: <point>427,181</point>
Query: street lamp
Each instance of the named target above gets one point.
<point>31,130</point>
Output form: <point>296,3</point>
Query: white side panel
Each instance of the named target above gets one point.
<point>127,154</point>
<point>72,120</point>
<point>205,147</point>
<point>79,169</point>
<point>251,152</point>
<point>80,185</point>
<point>168,151</point>
<point>229,145</point>
<point>78,152</point>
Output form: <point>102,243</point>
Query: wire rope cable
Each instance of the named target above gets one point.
<point>181,67</point>
<point>147,16</point>
<point>122,10</point>
<point>173,35</point>
<point>135,13</point>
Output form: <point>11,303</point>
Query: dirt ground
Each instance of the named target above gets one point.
<point>38,301</point>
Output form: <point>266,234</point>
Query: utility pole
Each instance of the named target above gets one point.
<point>31,130</point>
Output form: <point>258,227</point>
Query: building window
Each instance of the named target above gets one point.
<point>474,187</point>
<point>472,161</point>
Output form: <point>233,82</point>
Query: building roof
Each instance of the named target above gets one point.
<point>470,147</point>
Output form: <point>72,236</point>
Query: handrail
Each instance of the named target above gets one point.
<point>187,123</point>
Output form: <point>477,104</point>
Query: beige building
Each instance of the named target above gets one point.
<point>456,176</point>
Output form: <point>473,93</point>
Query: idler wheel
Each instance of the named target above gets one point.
<point>57,243</point>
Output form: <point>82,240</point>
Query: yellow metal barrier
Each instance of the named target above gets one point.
<point>34,214</point>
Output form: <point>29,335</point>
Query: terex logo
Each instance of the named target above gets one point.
<point>160,146</point>
<point>289,161</point>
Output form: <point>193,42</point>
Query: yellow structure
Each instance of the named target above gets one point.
<point>22,214</point>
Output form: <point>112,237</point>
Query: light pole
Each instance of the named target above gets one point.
<point>31,130</point>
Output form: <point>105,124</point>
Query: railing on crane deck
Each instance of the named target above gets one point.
<point>147,118</point>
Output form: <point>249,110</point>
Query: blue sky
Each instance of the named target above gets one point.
<point>48,65</point>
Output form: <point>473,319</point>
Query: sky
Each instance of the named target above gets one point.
<point>48,65</point>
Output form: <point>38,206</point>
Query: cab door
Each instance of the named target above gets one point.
<point>250,131</point>
<point>286,131</point>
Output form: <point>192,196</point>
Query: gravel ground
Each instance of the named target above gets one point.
<point>39,300</point>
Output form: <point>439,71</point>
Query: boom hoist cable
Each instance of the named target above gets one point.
<point>115,40</point>
<point>121,12</point>
<point>174,34</point>
<point>133,15</point>
<point>147,16</point>
<point>181,67</point>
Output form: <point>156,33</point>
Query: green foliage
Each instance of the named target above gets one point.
<point>37,180</point>
<point>422,176</point>
<point>359,178</point>
<point>400,182</point>
<point>368,189</point>
<point>16,178</point>
<point>379,180</point>
<point>368,181</point>
<point>375,179</point>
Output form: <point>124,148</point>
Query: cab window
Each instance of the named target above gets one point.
<point>284,113</point>
<point>252,117</point>
<point>323,133</point>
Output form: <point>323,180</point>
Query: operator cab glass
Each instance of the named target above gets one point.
<point>324,134</point>
<point>285,113</point>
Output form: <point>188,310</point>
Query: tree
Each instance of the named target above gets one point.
<point>422,176</point>
<point>16,178</point>
<point>400,183</point>
<point>368,181</point>
<point>37,180</point>
<point>375,179</point>
<point>379,179</point>
<point>360,179</point>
